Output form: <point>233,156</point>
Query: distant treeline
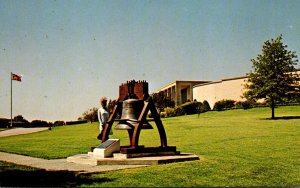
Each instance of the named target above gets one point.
<point>20,122</point>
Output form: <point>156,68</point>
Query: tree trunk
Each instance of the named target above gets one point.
<point>273,108</point>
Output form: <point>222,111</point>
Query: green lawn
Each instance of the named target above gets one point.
<point>236,147</point>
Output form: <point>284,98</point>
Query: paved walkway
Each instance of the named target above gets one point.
<point>59,164</point>
<point>18,131</point>
<point>55,164</point>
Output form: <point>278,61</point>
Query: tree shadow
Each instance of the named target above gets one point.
<point>42,178</point>
<point>284,118</point>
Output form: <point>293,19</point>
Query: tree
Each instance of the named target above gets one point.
<point>272,77</point>
<point>90,115</point>
<point>20,118</point>
<point>161,101</point>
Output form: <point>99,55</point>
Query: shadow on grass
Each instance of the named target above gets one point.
<point>284,117</point>
<point>11,177</point>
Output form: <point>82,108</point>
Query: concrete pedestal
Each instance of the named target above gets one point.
<point>122,159</point>
<point>106,149</point>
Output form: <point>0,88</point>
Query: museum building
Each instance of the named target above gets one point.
<point>211,91</point>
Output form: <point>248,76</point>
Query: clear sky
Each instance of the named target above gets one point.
<point>72,52</point>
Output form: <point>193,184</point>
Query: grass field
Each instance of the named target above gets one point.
<point>236,147</point>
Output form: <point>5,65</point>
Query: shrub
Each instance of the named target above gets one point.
<point>21,124</point>
<point>179,111</point>
<point>205,106</point>
<point>190,107</point>
<point>219,106</point>
<point>163,114</point>
<point>4,122</point>
<point>246,105</point>
<point>243,104</point>
<point>238,104</point>
<point>75,122</point>
<point>224,104</point>
<point>169,112</point>
<point>59,123</point>
<point>39,123</point>
<point>186,108</point>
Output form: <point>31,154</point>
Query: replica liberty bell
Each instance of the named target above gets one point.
<point>131,112</point>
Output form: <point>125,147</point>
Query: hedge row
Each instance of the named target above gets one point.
<point>231,104</point>
<point>4,123</point>
<point>186,109</point>
<point>198,107</point>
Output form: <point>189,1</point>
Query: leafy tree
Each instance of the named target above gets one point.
<point>90,115</point>
<point>161,101</point>
<point>272,77</point>
<point>21,121</point>
<point>20,118</point>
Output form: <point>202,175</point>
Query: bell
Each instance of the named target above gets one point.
<point>131,109</point>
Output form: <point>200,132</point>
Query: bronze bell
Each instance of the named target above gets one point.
<point>131,109</point>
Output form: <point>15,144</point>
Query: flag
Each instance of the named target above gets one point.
<point>16,77</point>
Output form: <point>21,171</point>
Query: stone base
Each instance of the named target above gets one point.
<point>137,155</point>
<point>107,148</point>
<point>122,159</point>
<point>168,150</point>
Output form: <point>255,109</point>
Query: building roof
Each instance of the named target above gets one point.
<point>176,81</point>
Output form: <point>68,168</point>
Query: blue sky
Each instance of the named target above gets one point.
<point>72,52</point>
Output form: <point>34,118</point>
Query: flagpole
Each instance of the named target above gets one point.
<point>11,100</point>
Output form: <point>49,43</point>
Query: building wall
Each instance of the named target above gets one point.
<point>175,91</point>
<point>215,91</point>
<point>232,88</point>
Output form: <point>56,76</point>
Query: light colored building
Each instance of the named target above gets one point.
<point>211,91</point>
<point>180,91</point>
<point>231,88</point>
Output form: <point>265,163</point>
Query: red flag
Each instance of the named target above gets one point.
<point>16,77</point>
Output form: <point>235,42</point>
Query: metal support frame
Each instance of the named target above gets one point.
<point>135,133</point>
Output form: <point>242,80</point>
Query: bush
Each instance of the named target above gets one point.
<point>219,106</point>
<point>169,112</point>
<point>21,124</point>
<point>224,104</point>
<point>179,111</point>
<point>39,123</point>
<point>190,107</point>
<point>243,104</point>
<point>4,122</point>
<point>75,122</point>
<point>59,123</point>
<point>163,114</point>
<point>186,108</point>
<point>205,106</point>
<point>246,105</point>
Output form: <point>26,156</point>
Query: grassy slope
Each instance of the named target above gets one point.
<point>237,148</point>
